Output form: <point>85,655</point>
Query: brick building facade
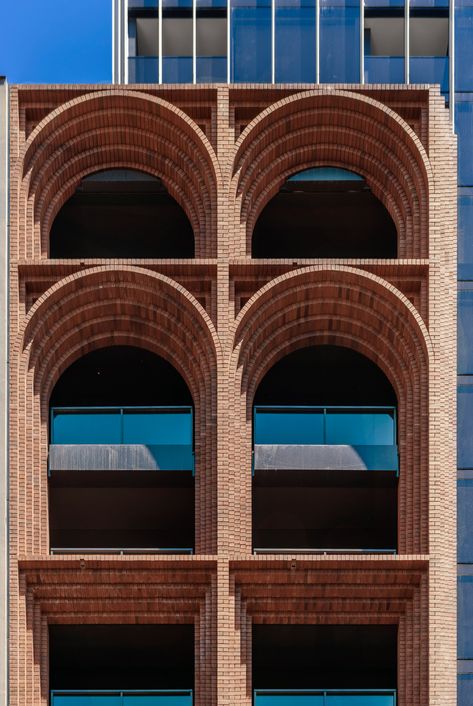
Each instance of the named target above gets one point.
<point>223,319</point>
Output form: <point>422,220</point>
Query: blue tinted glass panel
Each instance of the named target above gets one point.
<point>295,29</point>
<point>211,69</point>
<point>465,617</point>
<point>289,700</point>
<point>157,700</point>
<point>251,41</point>
<point>360,429</point>
<point>177,69</point>
<point>465,426</point>
<point>142,3</point>
<point>464,45</point>
<point>143,69</point>
<point>86,700</point>
<point>86,428</point>
<point>325,174</point>
<point>430,69</point>
<point>465,521</point>
<point>384,69</point>
<point>360,700</point>
<point>339,41</point>
<point>465,330</point>
<point>289,427</point>
<point>465,233</point>
<point>465,690</point>
<point>464,129</point>
<point>154,429</point>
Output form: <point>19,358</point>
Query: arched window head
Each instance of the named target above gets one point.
<point>324,212</point>
<point>121,213</point>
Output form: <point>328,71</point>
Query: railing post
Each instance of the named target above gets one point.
<point>121,426</point>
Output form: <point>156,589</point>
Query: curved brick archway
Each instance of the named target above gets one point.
<point>118,129</point>
<point>346,307</point>
<point>340,129</point>
<point>126,306</point>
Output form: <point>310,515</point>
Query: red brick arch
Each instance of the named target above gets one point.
<point>111,129</point>
<point>107,306</point>
<point>346,307</point>
<point>340,129</point>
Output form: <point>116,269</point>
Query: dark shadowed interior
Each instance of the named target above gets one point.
<point>324,217</point>
<point>121,657</point>
<point>324,656</point>
<point>121,213</point>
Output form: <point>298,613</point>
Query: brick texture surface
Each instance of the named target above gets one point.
<point>223,320</point>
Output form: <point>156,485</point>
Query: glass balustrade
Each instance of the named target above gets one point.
<point>354,426</point>
<point>324,698</point>
<point>121,698</point>
<point>167,431</point>
<point>143,69</point>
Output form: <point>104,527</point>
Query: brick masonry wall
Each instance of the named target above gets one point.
<point>223,319</point>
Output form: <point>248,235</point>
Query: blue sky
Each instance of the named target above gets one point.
<point>56,41</point>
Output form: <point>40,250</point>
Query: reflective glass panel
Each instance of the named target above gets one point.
<point>465,690</point>
<point>465,329</point>
<point>465,233</point>
<point>86,427</point>
<point>86,700</point>
<point>142,427</point>
<point>359,429</point>
<point>296,427</point>
<point>360,700</point>
<point>464,130</point>
<point>211,41</point>
<point>143,69</point>
<point>295,28</point>
<point>339,41</point>
<point>251,41</point>
<point>465,426</point>
<point>464,45</point>
<point>430,69</point>
<point>289,700</point>
<point>384,41</point>
<point>384,69</point>
<point>465,617</point>
<point>465,520</point>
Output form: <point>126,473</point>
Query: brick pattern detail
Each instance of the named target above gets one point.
<point>222,320</point>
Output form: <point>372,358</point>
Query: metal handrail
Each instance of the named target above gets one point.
<point>326,692</point>
<point>120,692</point>
<point>328,408</point>
<point>284,550</point>
<point>121,551</point>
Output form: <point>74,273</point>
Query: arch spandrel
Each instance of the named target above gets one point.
<point>153,135</point>
<point>337,129</point>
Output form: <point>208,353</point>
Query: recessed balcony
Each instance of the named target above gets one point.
<point>121,665</point>
<point>325,476</point>
<point>121,478</point>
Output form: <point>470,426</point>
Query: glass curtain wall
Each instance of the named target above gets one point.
<point>339,41</point>
<point>384,41</point>
<point>428,42</point>
<point>251,46</point>
<point>295,27</point>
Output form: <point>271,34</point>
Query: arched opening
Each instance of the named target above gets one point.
<point>325,454</point>
<point>121,455</point>
<point>121,213</point>
<point>324,212</point>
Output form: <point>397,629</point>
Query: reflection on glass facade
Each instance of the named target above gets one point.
<point>251,41</point>
<point>295,27</point>
<point>339,41</point>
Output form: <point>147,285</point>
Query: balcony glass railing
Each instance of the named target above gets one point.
<point>353,426</point>
<point>211,69</point>
<point>328,697</point>
<point>165,431</point>
<point>121,698</point>
<point>430,69</point>
<point>143,69</point>
<point>384,69</point>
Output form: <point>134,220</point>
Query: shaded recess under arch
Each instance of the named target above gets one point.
<point>325,454</point>
<point>324,212</point>
<point>121,432</point>
<point>121,213</point>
